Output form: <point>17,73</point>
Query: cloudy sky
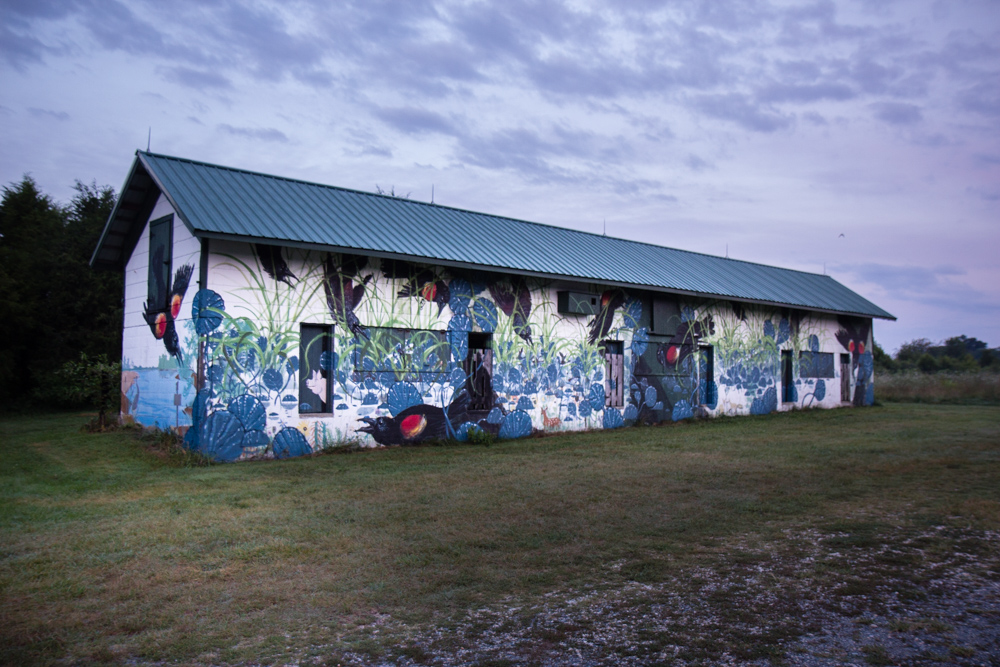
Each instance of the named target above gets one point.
<point>860,138</point>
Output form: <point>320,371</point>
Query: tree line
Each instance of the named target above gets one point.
<point>53,306</point>
<point>955,354</point>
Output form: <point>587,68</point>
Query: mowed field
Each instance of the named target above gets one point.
<point>111,552</point>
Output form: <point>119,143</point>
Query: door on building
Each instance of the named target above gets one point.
<point>614,373</point>
<point>479,371</point>
<point>845,378</point>
<point>787,388</point>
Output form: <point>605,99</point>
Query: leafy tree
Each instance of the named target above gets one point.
<point>913,350</point>
<point>53,306</point>
<point>883,362</point>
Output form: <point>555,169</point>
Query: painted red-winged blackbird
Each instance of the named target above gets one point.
<point>853,335</point>
<point>514,298</point>
<point>682,343</point>
<point>611,300</point>
<point>419,423</point>
<point>343,296</point>
<point>424,285</point>
<point>160,321</point>
<point>274,264</point>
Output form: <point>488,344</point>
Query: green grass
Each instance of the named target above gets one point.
<point>109,551</point>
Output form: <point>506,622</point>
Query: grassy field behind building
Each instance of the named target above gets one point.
<point>110,551</point>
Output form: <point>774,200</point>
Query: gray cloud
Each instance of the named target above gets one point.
<point>740,110</point>
<point>196,79</point>
<point>411,120</point>
<point>897,113</point>
<point>46,113</point>
<point>260,134</point>
<point>982,98</point>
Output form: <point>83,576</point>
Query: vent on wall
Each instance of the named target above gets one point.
<point>579,303</point>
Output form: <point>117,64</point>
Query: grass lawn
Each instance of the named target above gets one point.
<point>109,552</point>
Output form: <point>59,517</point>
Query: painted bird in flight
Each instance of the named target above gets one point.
<point>343,296</point>
<point>514,298</point>
<point>274,264</point>
<point>160,321</point>
<point>611,300</point>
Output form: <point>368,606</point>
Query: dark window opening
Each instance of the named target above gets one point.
<point>666,316</point>
<point>787,386</point>
<point>160,237</point>
<point>706,388</point>
<point>845,378</point>
<point>479,371</point>
<point>316,368</point>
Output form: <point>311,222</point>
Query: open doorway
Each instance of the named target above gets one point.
<point>479,371</point>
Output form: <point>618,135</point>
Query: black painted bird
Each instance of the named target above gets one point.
<point>611,300</point>
<point>343,296</point>
<point>853,335</point>
<point>419,423</point>
<point>684,340</point>
<point>161,322</point>
<point>274,264</point>
<point>514,298</point>
<point>417,282</point>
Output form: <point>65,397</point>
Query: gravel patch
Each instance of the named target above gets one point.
<point>865,596</point>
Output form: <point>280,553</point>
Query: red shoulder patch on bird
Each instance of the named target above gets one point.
<point>412,426</point>
<point>161,325</point>
<point>429,291</point>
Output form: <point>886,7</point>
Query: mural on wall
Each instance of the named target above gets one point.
<point>854,335</point>
<point>417,354</point>
<point>161,320</point>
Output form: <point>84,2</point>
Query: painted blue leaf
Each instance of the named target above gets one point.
<point>457,377</point>
<point>305,407</point>
<point>596,396</point>
<point>765,403</point>
<point>220,437</point>
<point>289,443</point>
<point>288,401</point>
<point>341,406</point>
<point>640,341</point>
<point>784,331</point>
<point>484,313</point>
<point>461,295</point>
<point>585,409</point>
<point>206,321</point>
<point>866,365</point>
<point>524,403</point>
<point>495,416</point>
<point>613,418</point>
<point>571,408</point>
<point>637,396</point>
<point>191,438</point>
<point>515,425</point>
<point>293,365</point>
<point>658,405</point>
<point>255,440</point>
<point>814,343</point>
<point>530,387</point>
<point>215,372</point>
<point>459,322</point>
<point>402,395</point>
<point>769,328</point>
<point>819,393</point>
<point>630,414</point>
<point>632,312</point>
<point>552,371</point>
<point>328,360</point>
<point>498,383</point>
<point>682,410</point>
<point>249,411</point>
<point>273,379</point>
<point>650,397</point>
<point>870,393</point>
<point>465,430</point>
<point>514,382</point>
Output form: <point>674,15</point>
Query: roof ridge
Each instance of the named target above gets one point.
<point>470,211</point>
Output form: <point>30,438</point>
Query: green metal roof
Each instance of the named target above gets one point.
<point>222,202</point>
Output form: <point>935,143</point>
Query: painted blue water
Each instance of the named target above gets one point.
<point>156,398</point>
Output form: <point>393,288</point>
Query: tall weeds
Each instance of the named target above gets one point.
<point>916,387</point>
